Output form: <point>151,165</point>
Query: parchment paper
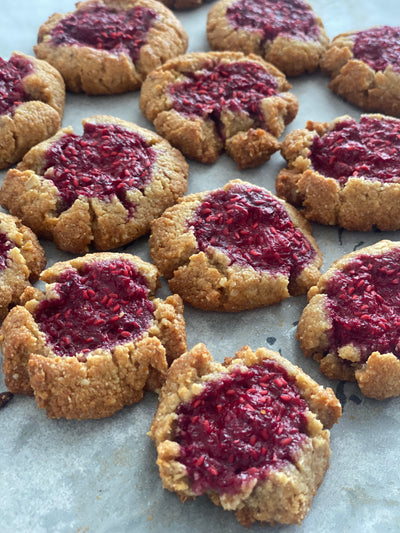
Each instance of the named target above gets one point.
<point>100,476</point>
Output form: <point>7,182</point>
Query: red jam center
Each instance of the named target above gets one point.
<point>378,47</point>
<point>253,229</point>
<point>104,28</point>
<point>364,305</point>
<point>5,246</point>
<point>240,427</point>
<point>370,149</point>
<point>291,18</point>
<point>104,304</point>
<point>106,161</point>
<point>12,92</point>
<point>237,87</point>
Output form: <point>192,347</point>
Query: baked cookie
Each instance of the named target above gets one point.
<point>235,248</point>
<point>365,68</point>
<point>345,172</point>
<point>95,339</point>
<point>351,324</point>
<point>103,187</point>
<point>21,261</point>
<point>287,33</point>
<point>32,98</point>
<point>249,433</point>
<point>205,102</point>
<point>109,46</point>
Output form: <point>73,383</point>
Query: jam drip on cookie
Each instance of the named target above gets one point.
<point>101,306</point>
<point>368,149</point>
<point>253,229</point>
<point>5,246</point>
<point>240,427</point>
<point>104,28</point>
<point>12,92</point>
<point>235,87</point>
<point>292,18</point>
<point>106,161</point>
<point>379,47</point>
<point>363,303</point>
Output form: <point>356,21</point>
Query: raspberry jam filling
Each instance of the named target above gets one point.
<point>369,149</point>
<point>378,47</point>
<point>106,161</point>
<point>253,229</point>
<point>12,92</point>
<point>104,304</point>
<point>364,305</point>
<point>5,246</point>
<point>291,18</point>
<point>104,28</point>
<point>240,427</point>
<point>237,87</point>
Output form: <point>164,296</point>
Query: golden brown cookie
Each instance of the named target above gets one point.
<point>21,261</point>
<point>103,187</point>
<point>208,102</point>
<point>287,33</point>
<point>249,433</point>
<point>109,46</point>
<point>345,172</point>
<point>32,97</point>
<point>95,339</point>
<point>365,68</point>
<point>234,248</point>
<point>351,324</point>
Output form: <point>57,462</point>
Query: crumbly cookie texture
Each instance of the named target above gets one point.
<point>251,27</point>
<point>111,63</point>
<point>218,274</point>
<point>358,82</point>
<point>22,260</point>
<point>35,118</point>
<point>284,494</point>
<point>103,209</point>
<point>344,173</point>
<point>43,358</point>
<point>204,128</point>
<point>351,323</point>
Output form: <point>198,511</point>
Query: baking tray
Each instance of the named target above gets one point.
<point>100,475</point>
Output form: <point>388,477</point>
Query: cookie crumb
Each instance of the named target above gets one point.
<point>5,397</point>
